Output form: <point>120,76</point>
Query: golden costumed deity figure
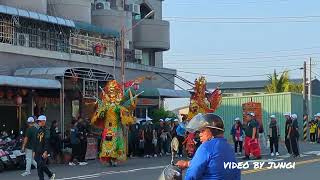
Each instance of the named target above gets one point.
<point>203,101</point>
<point>114,113</point>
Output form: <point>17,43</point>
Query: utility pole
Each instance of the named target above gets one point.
<point>305,87</point>
<point>310,90</point>
<point>122,37</point>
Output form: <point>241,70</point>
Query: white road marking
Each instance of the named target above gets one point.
<point>313,153</point>
<point>89,176</point>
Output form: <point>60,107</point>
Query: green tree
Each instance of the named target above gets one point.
<point>282,84</point>
<point>161,113</point>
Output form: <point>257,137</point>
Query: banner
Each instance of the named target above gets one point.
<point>92,148</point>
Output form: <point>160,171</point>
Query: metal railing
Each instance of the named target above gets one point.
<point>42,37</point>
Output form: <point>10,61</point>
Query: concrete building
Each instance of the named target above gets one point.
<point>66,49</point>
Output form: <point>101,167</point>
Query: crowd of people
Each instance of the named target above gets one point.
<point>153,140</point>
<point>250,135</point>
<point>149,140</point>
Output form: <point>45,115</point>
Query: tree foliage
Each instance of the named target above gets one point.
<point>282,84</point>
<point>161,113</point>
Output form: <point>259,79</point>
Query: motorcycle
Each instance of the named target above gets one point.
<point>11,156</point>
<point>172,172</point>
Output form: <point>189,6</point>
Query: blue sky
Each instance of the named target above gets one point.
<point>241,37</point>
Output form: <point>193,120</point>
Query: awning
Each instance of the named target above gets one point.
<point>29,82</point>
<point>163,93</point>
<point>36,16</point>
<point>54,72</point>
<point>97,29</point>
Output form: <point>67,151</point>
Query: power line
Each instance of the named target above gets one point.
<point>276,60</point>
<point>249,67</point>
<point>257,52</point>
<point>215,75</point>
<point>256,57</point>
<point>219,3</point>
<point>241,18</point>
<point>242,22</point>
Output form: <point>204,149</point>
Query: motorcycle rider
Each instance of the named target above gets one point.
<point>208,161</point>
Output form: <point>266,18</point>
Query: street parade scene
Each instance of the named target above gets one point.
<point>159,90</point>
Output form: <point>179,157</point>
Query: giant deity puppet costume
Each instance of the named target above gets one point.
<point>114,113</point>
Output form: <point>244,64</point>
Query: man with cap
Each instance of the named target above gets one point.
<point>318,125</point>
<point>41,149</point>
<point>287,131</point>
<point>294,135</point>
<point>251,143</point>
<point>274,135</point>
<point>28,143</point>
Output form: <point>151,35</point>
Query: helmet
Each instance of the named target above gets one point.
<point>171,172</point>
<point>201,121</point>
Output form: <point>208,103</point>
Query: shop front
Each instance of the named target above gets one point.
<point>80,87</point>
<point>17,100</point>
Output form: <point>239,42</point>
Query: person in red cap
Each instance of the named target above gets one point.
<point>251,143</point>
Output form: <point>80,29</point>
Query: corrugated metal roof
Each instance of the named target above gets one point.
<point>164,93</point>
<point>37,16</point>
<point>29,82</point>
<point>244,84</point>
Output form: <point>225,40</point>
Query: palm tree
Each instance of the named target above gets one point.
<point>282,84</point>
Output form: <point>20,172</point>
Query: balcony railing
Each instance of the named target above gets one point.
<point>32,36</point>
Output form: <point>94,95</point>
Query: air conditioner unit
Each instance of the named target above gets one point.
<point>138,54</point>
<point>22,39</point>
<point>134,8</point>
<point>102,4</point>
<point>126,44</point>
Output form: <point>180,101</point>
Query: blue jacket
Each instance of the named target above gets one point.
<point>181,130</point>
<point>208,162</point>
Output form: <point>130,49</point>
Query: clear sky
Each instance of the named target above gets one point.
<point>241,38</point>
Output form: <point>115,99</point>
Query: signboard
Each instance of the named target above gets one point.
<point>90,88</point>
<point>252,107</point>
<point>92,148</point>
<point>148,102</point>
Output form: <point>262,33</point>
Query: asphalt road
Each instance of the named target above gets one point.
<point>306,167</point>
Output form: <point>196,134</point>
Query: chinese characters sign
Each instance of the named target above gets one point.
<point>90,88</point>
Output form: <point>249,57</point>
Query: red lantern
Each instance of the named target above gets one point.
<point>98,49</point>
<point>19,100</point>
<point>1,94</point>
<point>9,94</point>
<point>136,86</point>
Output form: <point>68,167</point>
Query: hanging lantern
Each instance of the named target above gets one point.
<point>24,92</point>
<point>136,87</point>
<point>9,94</point>
<point>1,94</point>
<point>19,100</point>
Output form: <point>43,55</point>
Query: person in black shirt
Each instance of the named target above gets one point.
<point>55,141</point>
<point>294,135</point>
<point>274,135</point>
<point>41,149</point>
<point>83,127</point>
<point>287,129</point>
